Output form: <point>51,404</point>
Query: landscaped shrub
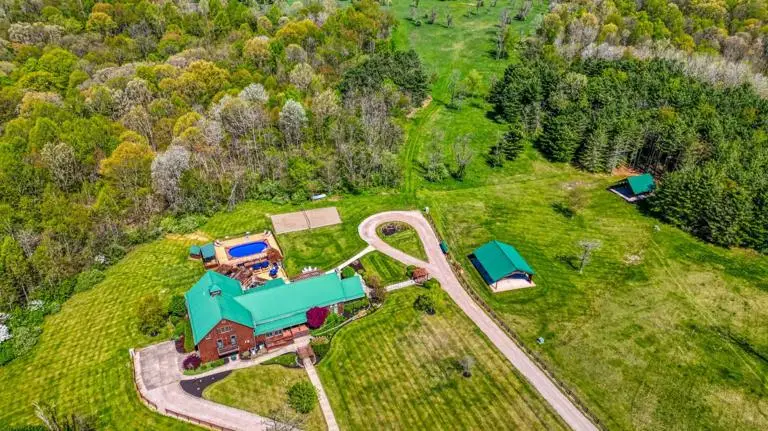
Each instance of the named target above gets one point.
<point>286,360</point>
<point>424,303</point>
<point>321,346</point>
<point>302,397</point>
<point>24,339</point>
<point>6,352</point>
<point>86,280</point>
<point>316,317</point>
<point>353,307</point>
<point>206,367</point>
<point>192,362</point>
<point>347,272</point>
<point>182,225</point>
<point>151,315</point>
<point>189,341</point>
<point>178,306</point>
<point>409,270</point>
<point>431,283</point>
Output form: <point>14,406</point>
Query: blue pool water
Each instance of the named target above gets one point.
<point>248,249</point>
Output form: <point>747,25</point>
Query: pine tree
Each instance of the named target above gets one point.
<point>512,142</point>
<point>592,155</point>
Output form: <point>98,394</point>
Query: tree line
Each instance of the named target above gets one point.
<point>115,116</point>
<point>707,145</point>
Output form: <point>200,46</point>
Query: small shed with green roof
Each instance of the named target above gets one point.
<point>502,267</point>
<point>636,187</point>
<point>195,253</point>
<point>641,184</point>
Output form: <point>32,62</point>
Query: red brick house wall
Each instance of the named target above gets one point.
<point>223,331</point>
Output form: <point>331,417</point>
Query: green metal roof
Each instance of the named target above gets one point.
<point>194,250</point>
<point>206,310</point>
<point>640,184</point>
<point>208,251</point>
<point>290,301</point>
<point>499,260</point>
<point>275,305</point>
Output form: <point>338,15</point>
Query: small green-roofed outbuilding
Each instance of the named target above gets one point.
<point>208,251</point>
<point>500,259</point>
<point>194,250</point>
<point>641,184</point>
<point>501,266</point>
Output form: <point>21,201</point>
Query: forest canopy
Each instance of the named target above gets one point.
<point>708,146</point>
<point>115,115</point>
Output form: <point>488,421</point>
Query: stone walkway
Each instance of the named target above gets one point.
<point>325,406</point>
<point>440,269</point>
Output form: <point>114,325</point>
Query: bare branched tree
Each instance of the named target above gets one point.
<point>587,247</point>
<point>462,155</point>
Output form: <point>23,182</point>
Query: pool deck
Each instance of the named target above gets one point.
<point>221,247</point>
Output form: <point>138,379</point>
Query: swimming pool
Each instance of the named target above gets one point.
<point>248,249</point>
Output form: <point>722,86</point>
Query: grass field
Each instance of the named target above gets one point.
<point>397,369</point>
<point>263,390</point>
<point>467,45</point>
<point>406,240</point>
<point>81,362</point>
<point>324,247</point>
<point>387,269</point>
<point>660,332</point>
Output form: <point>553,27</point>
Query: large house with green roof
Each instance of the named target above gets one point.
<point>227,319</point>
<point>502,267</point>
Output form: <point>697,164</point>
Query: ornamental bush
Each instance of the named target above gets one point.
<point>316,317</point>
<point>177,306</point>
<point>347,272</point>
<point>424,303</point>
<point>302,397</point>
<point>192,362</point>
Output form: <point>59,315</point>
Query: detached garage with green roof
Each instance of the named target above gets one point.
<point>502,267</point>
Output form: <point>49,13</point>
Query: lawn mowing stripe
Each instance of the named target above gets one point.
<point>407,389</point>
<point>470,392</point>
<point>436,406</point>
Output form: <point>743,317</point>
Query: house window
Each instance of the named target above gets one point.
<point>223,329</point>
<point>219,344</point>
<point>233,340</point>
<point>274,333</point>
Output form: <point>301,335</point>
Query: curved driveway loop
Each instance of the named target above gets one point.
<point>440,269</point>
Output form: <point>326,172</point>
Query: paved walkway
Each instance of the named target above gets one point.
<point>440,269</point>
<point>402,284</point>
<point>352,259</point>
<point>159,377</point>
<point>325,406</point>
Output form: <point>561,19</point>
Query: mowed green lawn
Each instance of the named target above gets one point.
<point>661,331</point>
<point>81,362</point>
<point>323,247</point>
<point>397,369</point>
<point>387,269</point>
<point>406,240</point>
<point>263,390</point>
